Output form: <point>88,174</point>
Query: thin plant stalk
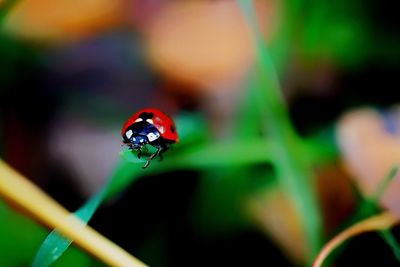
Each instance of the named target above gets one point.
<point>381,221</point>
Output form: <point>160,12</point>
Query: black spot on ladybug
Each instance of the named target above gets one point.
<point>172,129</point>
<point>146,115</point>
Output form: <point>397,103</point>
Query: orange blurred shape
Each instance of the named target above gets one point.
<point>62,19</point>
<point>203,42</point>
<point>274,212</point>
<point>335,196</point>
<point>370,151</point>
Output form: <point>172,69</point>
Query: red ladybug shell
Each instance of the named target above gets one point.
<point>163,123</point>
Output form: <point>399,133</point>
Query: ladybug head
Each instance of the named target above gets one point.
<point>139,134</point>
<point>138,141</point>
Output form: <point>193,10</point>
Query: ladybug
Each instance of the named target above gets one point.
<point>149,126</point>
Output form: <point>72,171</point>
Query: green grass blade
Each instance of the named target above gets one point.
<point>370,205</point>
<point>392,242</point>
<point>55,244</point>
<point>293,172</point>
<point>219,154</point>
<point>51,249</point>
<point>130,168</point>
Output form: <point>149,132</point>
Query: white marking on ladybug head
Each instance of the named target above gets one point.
<point>129,134</point>
<point>138,119</point>
<point>150,121</point>
<point>152,136</point>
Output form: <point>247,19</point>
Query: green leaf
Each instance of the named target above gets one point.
<point>185,155</point>
<point>131,155</point>
<point>392,242</point>
<point>125,172</point>
<point>220,154</point>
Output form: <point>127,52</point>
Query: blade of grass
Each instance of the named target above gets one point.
<point>383,185</point>
<point>213,155</point>
<point>292,171</point>
<point>370,205</point>
<point>19,191</point>
<point>55,244</point>
<point>392,242</point>
<point>201,158</point>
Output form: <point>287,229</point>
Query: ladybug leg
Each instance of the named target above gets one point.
<point>140,151</point>
<point>164,148</point>
<point>152,156</point>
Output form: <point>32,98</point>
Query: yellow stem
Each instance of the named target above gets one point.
<point>381,221</point>
<point>21,192</point>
